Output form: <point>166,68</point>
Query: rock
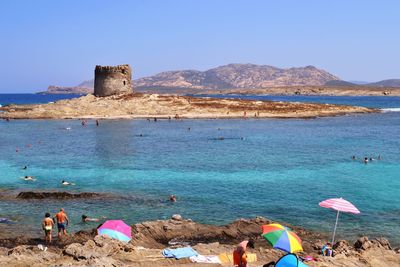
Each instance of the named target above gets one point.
<point>100,246</point>
<point>382,242</point>
<point>176,217</point>
<point>362,243</point>
<point>56,195</point>
<point>342,247</point>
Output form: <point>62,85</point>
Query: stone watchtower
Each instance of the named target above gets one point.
<point>112,80</point>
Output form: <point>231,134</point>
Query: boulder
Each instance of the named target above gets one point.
<point>100,246</point>
<point>362,243</point>
<point>177,217</point>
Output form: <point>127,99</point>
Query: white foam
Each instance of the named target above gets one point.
<point>390,109</point>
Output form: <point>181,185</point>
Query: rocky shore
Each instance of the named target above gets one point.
<point>138,105</point>
<point>149,238</point>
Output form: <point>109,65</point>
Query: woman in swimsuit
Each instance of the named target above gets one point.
<point>47,226</point>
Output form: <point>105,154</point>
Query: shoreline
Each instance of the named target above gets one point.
<point>150,237</point>
<point>174,107</point>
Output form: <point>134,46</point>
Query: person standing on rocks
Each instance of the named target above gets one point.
<point>62,222</point>
<point>47,226</point>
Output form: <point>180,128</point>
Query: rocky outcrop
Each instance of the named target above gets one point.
<point>52,89</point>
<point>56,195</point>
<point>169,106</point>
<point>149,238</point>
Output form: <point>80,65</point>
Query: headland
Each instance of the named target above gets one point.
<point>137,105</point>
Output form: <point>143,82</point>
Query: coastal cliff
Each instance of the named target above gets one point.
<point>129,106</point>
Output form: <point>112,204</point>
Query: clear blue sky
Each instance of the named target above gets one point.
<point>60,42</point>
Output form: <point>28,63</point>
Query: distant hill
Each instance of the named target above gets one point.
<point>232,76</point>
<point>386,83</point>
<point>238,76</point>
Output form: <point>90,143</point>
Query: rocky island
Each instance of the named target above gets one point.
<point>247,79</point>
<point>136,105</point>
<point>114,98</point>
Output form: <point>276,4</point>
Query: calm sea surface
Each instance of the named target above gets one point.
<point>280,169</point>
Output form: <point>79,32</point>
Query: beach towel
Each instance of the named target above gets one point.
<point>228,257</point>
<point>205,259</point>
<point>179,253</point>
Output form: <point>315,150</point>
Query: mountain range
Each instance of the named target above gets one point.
<point>233,76</point>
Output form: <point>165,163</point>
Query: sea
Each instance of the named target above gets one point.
<point>220,170</point>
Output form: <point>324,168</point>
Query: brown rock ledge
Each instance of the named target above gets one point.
<point>130,106</point>
<point>86,249</point>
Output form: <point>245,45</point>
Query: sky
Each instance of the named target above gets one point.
<point>59,42</point>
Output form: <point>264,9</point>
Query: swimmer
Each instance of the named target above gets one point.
<point>353,157</point>
<point>365,160</point>
<point>172,198</point>
<point>68,128</point>
<point>29,178</point>
<point>87,219</point>
<point>371,159</point>
<point>97,122</point>
<point>63,182</point>
<point>25,167</point>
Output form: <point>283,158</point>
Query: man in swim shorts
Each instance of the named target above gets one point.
<point>62,222</point>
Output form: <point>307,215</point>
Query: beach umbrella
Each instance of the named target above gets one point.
<point>281,237</point>
<point>290,260</point>
<point>116,229</point>
<point>340,205</point>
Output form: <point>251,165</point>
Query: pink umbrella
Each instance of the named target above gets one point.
<point>116,229</point>
<point>338,204</point>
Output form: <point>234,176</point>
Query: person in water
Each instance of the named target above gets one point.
<point>25,167</point>
<point>365,160</point>
<point>47,226</point>
<point>172,198</point>
<point>62,222</point>
<point>239,254</point>
<point>87,219</point>
<point>29,178</point>
<point>63,182</point>
<point>353,157</point>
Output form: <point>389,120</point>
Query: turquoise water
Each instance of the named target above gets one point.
<point>280,169</point>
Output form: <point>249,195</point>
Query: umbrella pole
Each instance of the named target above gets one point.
<point>334,229</point>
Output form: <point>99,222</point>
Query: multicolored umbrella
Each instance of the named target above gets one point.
<point>281,237</point>
<point>338,204</point>
<point>116,229</point>
<point>290,260</point>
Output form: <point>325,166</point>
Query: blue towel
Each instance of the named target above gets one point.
<point>179,253</point>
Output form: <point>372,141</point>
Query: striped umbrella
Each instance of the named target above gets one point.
<point>281,237</point>
<point>338,204</point>
<point>116,229</point>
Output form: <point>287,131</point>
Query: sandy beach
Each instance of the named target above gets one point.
<point>130,106</point>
